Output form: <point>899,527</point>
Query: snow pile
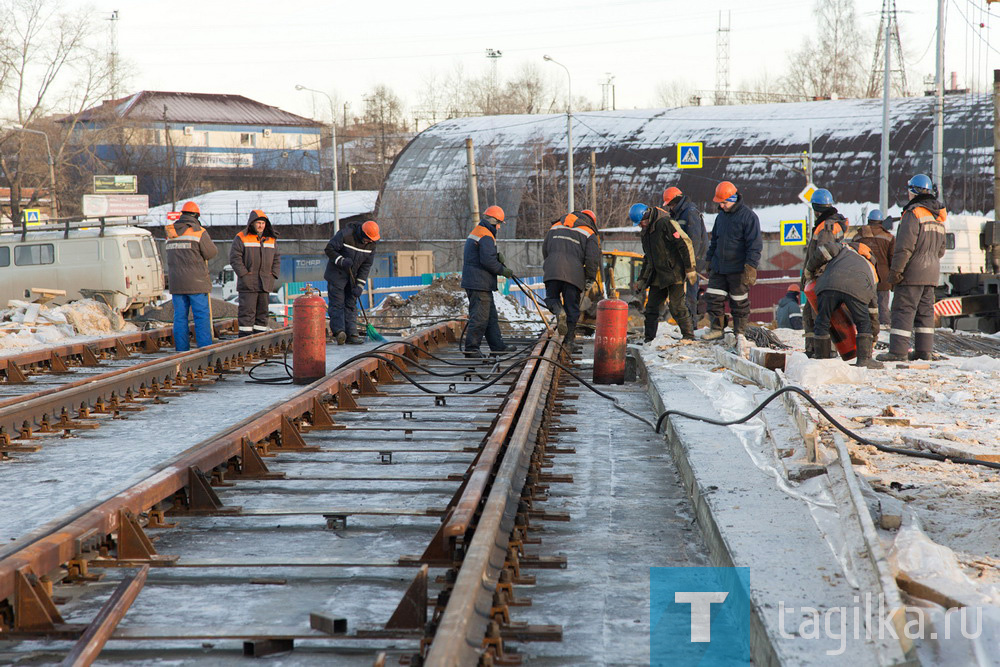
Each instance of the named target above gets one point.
<point>28,325</point>
<point>980,363</point>
<point>815,372</point>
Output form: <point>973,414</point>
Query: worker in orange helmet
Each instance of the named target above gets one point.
<point>350,254</point>
<point>682,209</point>
<point>733,255</point>
<point>571,255</point>
<point>189,248</point>
<point>254,258</point>
<point>481,264</point>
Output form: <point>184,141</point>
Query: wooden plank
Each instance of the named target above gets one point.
<point>100,629</point>
<point>954,449</point>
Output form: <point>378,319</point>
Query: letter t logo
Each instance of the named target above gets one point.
<point>701,611</point>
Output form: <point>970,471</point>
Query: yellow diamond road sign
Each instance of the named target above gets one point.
<point>690,155</point>
<point>793,232</point>
<point>807,192</point>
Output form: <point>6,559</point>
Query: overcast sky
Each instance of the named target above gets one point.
<point>262,49</point>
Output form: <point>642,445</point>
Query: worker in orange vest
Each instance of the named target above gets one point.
<point>189,248</point>
<point>254,258</point>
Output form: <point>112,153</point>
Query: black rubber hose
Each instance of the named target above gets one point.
<point>933,456</point>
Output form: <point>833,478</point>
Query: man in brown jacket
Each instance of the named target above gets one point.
<point>189,247</point>
<point>254,258</point>
<point>882,244</point>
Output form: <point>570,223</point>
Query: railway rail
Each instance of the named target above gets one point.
<point>285,510</point>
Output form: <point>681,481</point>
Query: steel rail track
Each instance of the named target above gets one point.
<point>16,368</point>
<point>70,407</point>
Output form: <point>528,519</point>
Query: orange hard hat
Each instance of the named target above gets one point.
<point>794,287</point>
<point>370,230</point>
<point>494,212</point>
<point>671,194</point>
<point>190,207</point>
<point>590,214</point>
<point>724,191</point>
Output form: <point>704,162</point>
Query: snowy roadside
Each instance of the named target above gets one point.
<point>29,326</point>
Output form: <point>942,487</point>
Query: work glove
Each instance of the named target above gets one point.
<point>501,258</point>
<point>507,273</point>
<point>345,262</point>
<point>588,286</point>
<point>895,277</point>
<point>639,286</point>
<point>692,277</point>
<point>358,290</point>
<point>749,275</point>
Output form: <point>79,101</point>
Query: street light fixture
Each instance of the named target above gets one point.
<point>52,165</point>
<point>333,134</point>
<point>569,129</point>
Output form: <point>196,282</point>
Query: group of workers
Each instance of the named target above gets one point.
<point>255,260</point>
<point>857,273</point>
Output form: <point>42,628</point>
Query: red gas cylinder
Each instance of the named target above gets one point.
<point>609,342</point>
<point>308,338</point>
<point>842,331</point>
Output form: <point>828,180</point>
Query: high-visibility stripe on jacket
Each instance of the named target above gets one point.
<point>255,261</point>
<point>350,242</point>
<point>480,265</point>
<point>920,241</point>
<point>572,254</point>
<point>188,249</point>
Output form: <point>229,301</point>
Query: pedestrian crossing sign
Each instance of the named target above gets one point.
<point>32,216</point>
<point>689,155</point>
<point>793,232</point>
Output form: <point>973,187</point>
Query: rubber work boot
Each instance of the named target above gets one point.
<point>821,347</point>
<point>650,325</point>
<point>244,334</point>
<point>687,328</point>
<point>340,336</point>
<point>810,343</point>
<point>354,339</point>
<point>739,326</point>
<point>921,356</point>
<point>714,334</point>
<point>569,340</point>
<point>561,324</point>
<point>891,356</point>
<point>865,353</point>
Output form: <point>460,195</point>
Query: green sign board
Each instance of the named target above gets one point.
<point>115,185</point>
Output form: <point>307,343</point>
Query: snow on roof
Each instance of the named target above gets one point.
<point>232,207</point>
<point>9,235</point>
<point>758,147</point>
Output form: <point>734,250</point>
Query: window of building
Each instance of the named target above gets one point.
<point>4,256</point>
<point>949,241</point>
<point>30,255</point>
<point>204,139</point>
<point>248,139</point>
<point>134,250</point>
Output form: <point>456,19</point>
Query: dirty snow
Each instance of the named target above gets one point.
<point>26,326</point>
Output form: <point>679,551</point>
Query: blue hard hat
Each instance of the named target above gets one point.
<point>875,215</point>
<point>921,184</point>
<point>637,213</point>
<point>821,197</point>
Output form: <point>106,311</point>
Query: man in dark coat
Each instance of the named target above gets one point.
<point>480,267</point>
<point>687,214</point>
<point>733,254</point>
<point>830,226</point>
<point>350,253</point>
<point>788,313</point>
<point>572,258</point>
<point>848,278</point>
<point>883,245</point>
<point>254,258</point>
<point>189,248</point>
<point>914,272</point>
<point>667,262</point>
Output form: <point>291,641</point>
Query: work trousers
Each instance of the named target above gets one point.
<point>723,287</point>
<point>675,298</point>
<point>691,299</point>
<point>884,313</point>
<point>482,319</point>
<point>342,309</point>
<point>912,312</point>
<point>252,313</point>
<point>198,305</point>
<point>829,300</point>
<point>563,296</point>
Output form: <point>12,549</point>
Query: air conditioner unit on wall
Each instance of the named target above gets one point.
<point>188,130</point>
<point>267,131</point>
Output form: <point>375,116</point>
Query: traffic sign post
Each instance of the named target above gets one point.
<point>690,155</point>
<point>793,232</point>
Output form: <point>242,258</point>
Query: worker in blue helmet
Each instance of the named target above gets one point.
<point>830,227</point>
<point>914,272</point>
<point>882,244</point>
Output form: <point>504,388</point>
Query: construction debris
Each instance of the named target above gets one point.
<point>25,325</point>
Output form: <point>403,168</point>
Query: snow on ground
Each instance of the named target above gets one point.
<point>26,326</point>
<point>954,401</point>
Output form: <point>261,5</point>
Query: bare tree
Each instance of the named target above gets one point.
<point>830,64</point>
<point>673,93</point>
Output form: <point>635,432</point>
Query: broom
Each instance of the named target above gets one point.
<point>370,332</point>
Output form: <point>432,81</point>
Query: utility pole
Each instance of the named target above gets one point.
<point>494,55</point>
<point>569,132</point>
<point>113,54</point>
<point>722,61</point>
<point>937,167</point>
<point>883,186</point>
<point>473,183</point>
<point>593,180</point>
<point>333,150</point>
<point>996,143</point>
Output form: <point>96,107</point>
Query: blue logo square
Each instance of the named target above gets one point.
<point>699,616</point>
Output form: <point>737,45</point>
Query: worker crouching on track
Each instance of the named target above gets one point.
<point>733,254</point>
<point>254,257</point>
<point>848,278</point>
<point>480,267</point>
<point>572,258</point>
<point>916,265</point>
<point>830,227</point>
<point>189,248</point>
<point>350,254</point>
<point>668,261</point>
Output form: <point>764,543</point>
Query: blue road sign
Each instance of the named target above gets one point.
<point>689,155</point>
<point>793,232</point>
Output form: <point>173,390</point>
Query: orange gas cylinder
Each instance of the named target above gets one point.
<point>609,342</point>
<point>308,338</point>
<point>843,335</point>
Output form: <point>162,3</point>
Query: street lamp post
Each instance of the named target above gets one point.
<point>333,134</point>
<point>569,129</point>
<point>52,166</point>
